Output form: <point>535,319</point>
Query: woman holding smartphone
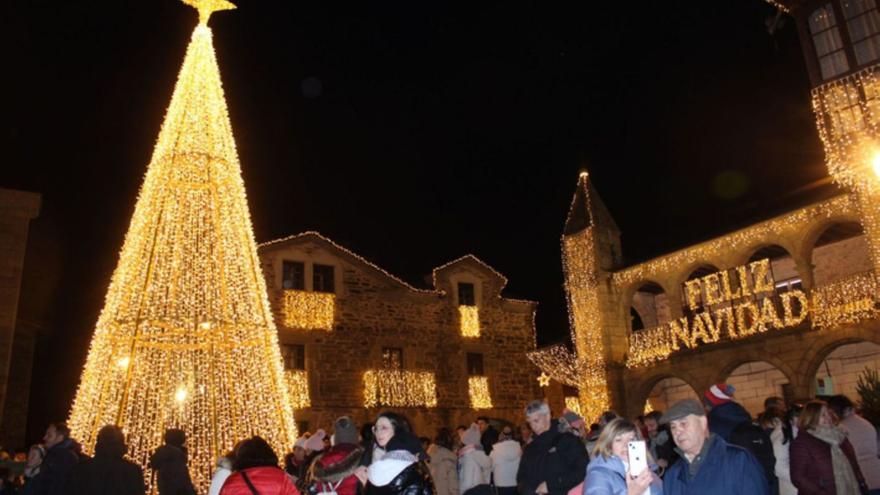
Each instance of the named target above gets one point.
<point>610,471</point>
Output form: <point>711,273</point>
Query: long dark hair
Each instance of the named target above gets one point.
<point>254,452</point>
<point>398,421</point>
<point>444,438</point>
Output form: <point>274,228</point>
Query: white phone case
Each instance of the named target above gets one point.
<point>638,459</point>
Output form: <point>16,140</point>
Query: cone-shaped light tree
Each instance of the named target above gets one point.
<point>186,337</point>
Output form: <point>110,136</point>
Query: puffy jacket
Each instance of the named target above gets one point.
<point>559,459</point>
<point>55,468</point>
<point>812,471</point>
<point>334,469</point>
<point>607,476</point>
<point>725,470</point>
<point>268,480</point>
<point>505,462</point>
<point>474,468</point>
<point>394,475</point>
<point>172,473</point>
<point>444,470</point>
<point>725,418</point>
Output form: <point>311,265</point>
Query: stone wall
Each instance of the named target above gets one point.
<point>754,382</point>
<point>668,391</point>
<point>375,310</point>
<point>846,363</point>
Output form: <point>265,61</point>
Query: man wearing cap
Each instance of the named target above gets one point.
<point>708,464</point>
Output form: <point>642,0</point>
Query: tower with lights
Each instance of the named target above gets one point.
<point>186,337</point>
<point>841,45</point>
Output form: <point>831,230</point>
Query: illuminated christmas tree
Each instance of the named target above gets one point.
<point>186,337</point>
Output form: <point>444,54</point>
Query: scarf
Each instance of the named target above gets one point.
<point>845,480</point>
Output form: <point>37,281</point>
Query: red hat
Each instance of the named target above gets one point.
<point>720,393</point>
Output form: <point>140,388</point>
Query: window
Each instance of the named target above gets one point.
<point>789,285</point>
<point>863,25</point>
<point>322,278</point>
<point>475,364</point>
<point>827,41</point>
<point>466,294</point>
<point>392,358</point>
<point>293,275</point>
<point>293,356</point>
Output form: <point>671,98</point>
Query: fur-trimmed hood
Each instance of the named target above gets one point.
<point>338,463</point>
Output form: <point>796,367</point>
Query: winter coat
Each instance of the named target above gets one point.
<point>106,475</point>
<point>444,470</point>
<point>333,470</point>
<point>863,438</point>
<point>268,480</point>
<point>474,468</point>
<point>55,468</point>
<point>392,476</point>
<point>812,471</point>
<point>725,418</point>
<point>172,474</point>
<point>782,453</point>
<point>607,476</point>
<point>217,480</point>
<point>559,459</point>
<point>505,462</point>
<point>724,470</point>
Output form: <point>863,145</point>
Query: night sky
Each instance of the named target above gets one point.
<point>409,132</point>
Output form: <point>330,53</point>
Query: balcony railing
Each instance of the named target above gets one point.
<point>298,388</point>
<point>309,310</point>
<point>399,388</point>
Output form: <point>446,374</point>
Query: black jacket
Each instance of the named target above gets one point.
<point>172,475</point>
<point>55,468</point>
<point>415,479</point>
<point>559,459</point>
<point>488,439</point>
<point>106,475</point>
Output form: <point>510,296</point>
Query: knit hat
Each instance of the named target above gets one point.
<point>572,418</point>
<point>471,436</point>
<point>720,393</point>
<point>315,443</point>
<point>344,431</point>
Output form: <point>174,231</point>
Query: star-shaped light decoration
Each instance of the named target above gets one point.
<point>208,7</point>
<point>544,380</point>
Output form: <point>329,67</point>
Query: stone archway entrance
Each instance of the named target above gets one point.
<point>668,391</point>
<point>839,372</point>
<point>755,381</point>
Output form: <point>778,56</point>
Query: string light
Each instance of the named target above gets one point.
<point>478,391</point>
<point>399,388</point>
<point>846,301</point>
<point>187,311</point>
<point>573,404</point>
<point>309,310</point>
<point>298,389</point>
<point>557,363</point>
<point>469,321</point>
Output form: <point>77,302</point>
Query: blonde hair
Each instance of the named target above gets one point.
<point>612,430</point>
<point>812,413</point>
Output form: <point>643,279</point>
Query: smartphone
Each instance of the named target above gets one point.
<point>638,459</point>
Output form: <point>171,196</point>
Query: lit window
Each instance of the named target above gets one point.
<point>827,41</point>
<point>293,275</point>
<point>322,278</point>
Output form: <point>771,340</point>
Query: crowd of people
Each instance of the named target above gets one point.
<point>709,447</point>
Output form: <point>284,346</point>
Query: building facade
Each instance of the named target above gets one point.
<point>357,340</point>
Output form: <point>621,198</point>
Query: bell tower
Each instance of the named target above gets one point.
<point>841,45</point>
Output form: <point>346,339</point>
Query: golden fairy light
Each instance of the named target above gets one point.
<point>399,388</point>
<point>469,321</point>
<point>309,310</point>
<point>573,404</point>
<point>478,391</point>
<point>186,337</point>
<point>298,388</point>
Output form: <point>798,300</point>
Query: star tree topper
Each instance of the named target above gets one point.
<point>208,7</point>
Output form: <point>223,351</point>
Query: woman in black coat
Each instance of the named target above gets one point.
<point>397,461</point>
<point>169,462</point>
<point>107,472</point>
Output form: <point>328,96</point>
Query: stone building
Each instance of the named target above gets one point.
<point>17,210</point>
<point>787,306</point>
<point>357,340</point>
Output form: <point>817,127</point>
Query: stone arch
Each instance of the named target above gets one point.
<point>679,380</point>
<point>790,247</point>
<point>821,350</point>
<point>651,302</point>
<point>693,271</point>
<point>816,229</point>
<point>838,251</point>
<point>755,380</point>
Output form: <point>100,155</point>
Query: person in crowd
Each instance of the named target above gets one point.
<point>108,471</point>
<point>572,422</point>
<point>554,462</point>
<point>505,458</point>
<point>488,434</point>
<point>708,464</point>
<point>660,443</point>
<point>397,461</point>
<point>525,434</point>
<point>314,446</point>
<point>62,453</point>
<point>255,470</point>
<point>333,470</point>
<point>823,461</point>
<point>443,463</point>
<point>729,420</point>
<point>221,472</point>
<point>592,437</point>
<point>459,431</point>
<point>295,462</point>
<point>863,437</point>
<point>608,473</point>
<point>474,466</point>
<point>169,462</point>
<point>775,422</point>
<point>35,457</point>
